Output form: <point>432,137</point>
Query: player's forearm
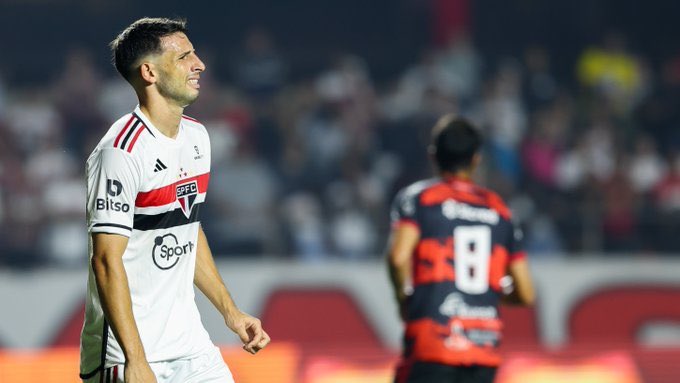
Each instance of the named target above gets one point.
<point>403,241</point>
<point>523,289</point>
<point>208,280</point>
<point>211,285</point>
<point>399,277</point>
<point>521,296</point>
<point>114,294</point>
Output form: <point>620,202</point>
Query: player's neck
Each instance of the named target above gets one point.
<point>461,175</point>
<point>163,115</point>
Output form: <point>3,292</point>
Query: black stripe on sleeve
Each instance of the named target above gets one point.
<point>112,225</point>
<point>129,134</point>
<point>166,220</point>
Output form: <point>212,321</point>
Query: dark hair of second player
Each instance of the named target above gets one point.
<point>455,141</point>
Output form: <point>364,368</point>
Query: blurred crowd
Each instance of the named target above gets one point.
<point>307,167</point>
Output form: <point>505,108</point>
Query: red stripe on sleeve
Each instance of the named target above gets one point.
<point>134,139</point>
<point>122,132</point>
<point>115,374</point>
<point>406,221</point>
<point>518,256</point>
<point>168,194</point>
<point>190,119</point>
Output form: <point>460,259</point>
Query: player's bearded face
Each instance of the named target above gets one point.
<point>179,69</point>
<point>173,86</point>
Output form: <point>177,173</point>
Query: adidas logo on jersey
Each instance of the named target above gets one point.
<point>160,166</point>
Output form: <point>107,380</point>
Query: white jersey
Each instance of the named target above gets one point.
<point>150,188</point>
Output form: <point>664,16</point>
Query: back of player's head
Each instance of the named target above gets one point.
<point>455,141</point>
<point>141,38</point>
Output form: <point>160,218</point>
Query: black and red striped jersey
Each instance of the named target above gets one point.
<point>467,240</point>
<point>150,188</point>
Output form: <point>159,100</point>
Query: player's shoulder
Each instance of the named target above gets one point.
<point>495,201</point>
<point>193,124</point>
<point>411,193</point>
<point>417,188</point>
<point>126,135</point>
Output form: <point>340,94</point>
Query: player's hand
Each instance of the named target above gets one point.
<point>250,330</point>
<point>139,372</point>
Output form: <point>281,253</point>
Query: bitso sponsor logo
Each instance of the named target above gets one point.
<point>113,189</point>
<point>186,196</point>
<point>109,205</point>
<point>167,251</point>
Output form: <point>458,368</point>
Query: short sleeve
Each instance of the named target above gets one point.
<point>404,208</point>
<point>113,180</point>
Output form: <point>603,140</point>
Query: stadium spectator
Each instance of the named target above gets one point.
<point>543,147</point>
<point>502,116</point>
<point>613,72</point>
<point>349,123</point>
<point>259,69</point>
<point>304,227</point>
<point>540,86</point>
<point>463,64</point>
<point>647,168</point>
<point>619,210</point>
<point>76,91</point>
<point>243,213</point>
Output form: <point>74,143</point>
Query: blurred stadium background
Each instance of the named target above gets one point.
<point>318,112</point>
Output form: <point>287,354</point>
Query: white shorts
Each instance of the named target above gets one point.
<point>208,367</point>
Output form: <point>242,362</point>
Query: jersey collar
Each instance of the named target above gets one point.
<point>459,183</point>
<point>157,133</point>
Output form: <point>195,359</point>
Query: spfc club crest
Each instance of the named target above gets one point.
<point>186,196</point>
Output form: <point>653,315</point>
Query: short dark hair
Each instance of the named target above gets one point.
<point>455,141</point>
<point>141,38</point>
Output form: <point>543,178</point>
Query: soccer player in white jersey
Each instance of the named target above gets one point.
<point>146,182</point>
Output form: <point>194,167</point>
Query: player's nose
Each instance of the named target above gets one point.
<point>199,66</point>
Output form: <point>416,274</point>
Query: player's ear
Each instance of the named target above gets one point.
<point>148,72</point>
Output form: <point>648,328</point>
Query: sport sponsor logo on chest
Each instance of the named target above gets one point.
<point>186,196</point>
<point>168,250</point>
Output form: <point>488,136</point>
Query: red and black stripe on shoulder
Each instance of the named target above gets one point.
<point>127,137</point>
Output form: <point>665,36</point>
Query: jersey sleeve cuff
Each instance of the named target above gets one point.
<point>517,256</point>
<point>405,222</point>
<point>111,228</point>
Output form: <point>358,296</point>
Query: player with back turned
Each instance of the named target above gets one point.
<point>147,181</point>
<point>454,254</point>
